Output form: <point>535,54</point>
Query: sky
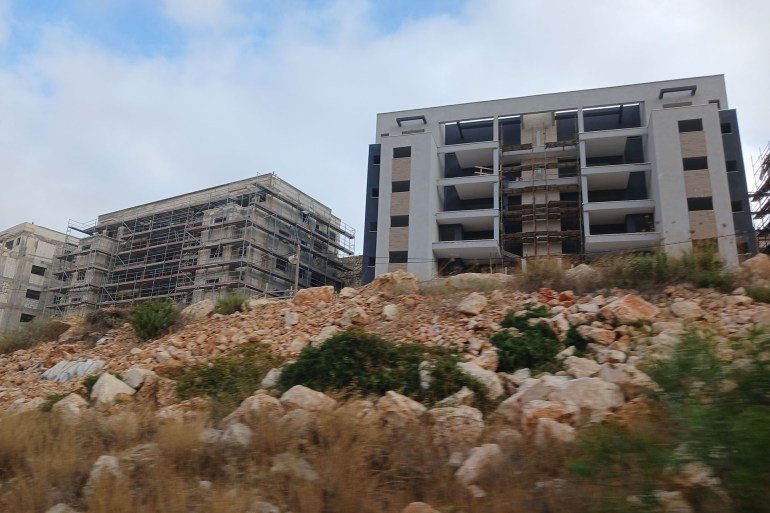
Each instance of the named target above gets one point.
<point>106,104</point>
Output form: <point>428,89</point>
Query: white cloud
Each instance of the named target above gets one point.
<point>202,14</point>
<point>5,26</point>
<point>88,131</point>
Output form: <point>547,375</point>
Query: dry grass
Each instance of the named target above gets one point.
<point>362,468</point>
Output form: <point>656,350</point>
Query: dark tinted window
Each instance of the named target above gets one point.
<point>376,192</point>
<point>700,204</point>
<point>372,226</point>
<point>727,128</point>
<point>399,221</point>
<point>38,270</point>
<point>691,125</point>
<point>404,151</point>
<point>693,163</point>
<point>32,294</point>
<point>731,165</point>
<point>401,186</point>
<point>26,318</point>
<point>398,257</point>
<point>737,206</point>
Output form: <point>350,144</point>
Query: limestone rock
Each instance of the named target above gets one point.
<point>293,466</point>
<point>237,436</point>
<point>303,397</point>
<point>456,429</point>
<point>255,410</point>
<point>464,396</point>
<point>290,318</point>
<point>256,302</point>
<point>419,507</point>
<point>199,310</point>
<point>263,507</point>
<point>396,283</point>
<point>479,282</point>
<point>390,312</point>
<point>592,394</point>
<point>61,508</point>
<point>583,275</point>
<point>687,310</point>
<point>758,266</point>
<point>598,335</point>
<point>297,423</point>
<point>107,388</point>
<point>631,309</point>
<point>581,367</point>
<point>481,462</point>
<point>135,376</point>
<point>548,430</point>
<point>355,316</point>
<point>559,411</point>
<point>490,380</point>
<point>271,378</point>
<point>473,304</point>
<point>70,408</point>
<point>105,467</point>
<point>190,411</point>
<point>325,334</point>
<point>348,292</point>
<point>399,410</point>
<point>313,296</point>
<point>488,359</point>
<point>630,379</point>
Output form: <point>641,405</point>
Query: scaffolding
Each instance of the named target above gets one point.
<point>760,199</point>
<point>545,166</point>
<point>236,238</point>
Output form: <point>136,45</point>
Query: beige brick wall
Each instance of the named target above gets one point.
<point>396,267</point>
<point>402,169</point>
<point>703,224</point>
<point>399,204</point>
<point>399,238</point>
<point>697,184</point>
<point>693,144</point>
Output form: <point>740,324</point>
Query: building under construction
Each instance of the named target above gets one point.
<point>761,199</point>
<point>575,175</point>
<point>259,236</point>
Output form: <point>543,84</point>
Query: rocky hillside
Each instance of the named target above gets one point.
<point>556,400</point>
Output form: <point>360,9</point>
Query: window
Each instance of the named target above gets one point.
<point>399,221</point>
<point>370,261</point>
<point>375,192</point>
<point>376,160</point>
<point>38,270</point>
<point>241,251</point>
<point>215,252</point>
<point>404,151</point>
<point>210,281</point>
<point>262,197</point>
<point>218,220</point>
<point>26,318</point>
<point>727,128</point>
<point>731,165</point>
<point>85,247</point>
<point>398,257</point>
<point>694,204</point>
<point>81,275</point>
<point>691,125</point>
<point>693,163</point>
<point>281,264</point>
<point>9,244</point>
<point>32,294</point>
<point>737,206</point>
<point>401,186</point>
<point>716,102</point>
<point>372,226</point>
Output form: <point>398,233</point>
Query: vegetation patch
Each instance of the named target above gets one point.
<point>228,379</point>
<point>230,304</point>
<point>153,318</point>
<point>30,334</point>
<point>525,344</point>
<point>759,293</point>
<point>51,400</point>
<point>359,363</point>
<point>106,319</point>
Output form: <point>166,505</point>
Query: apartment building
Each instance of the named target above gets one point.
<point>26,256</point>
<point>576,174</point>
<point>258,236</point>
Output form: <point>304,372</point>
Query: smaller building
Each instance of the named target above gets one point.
<point>26,256</point>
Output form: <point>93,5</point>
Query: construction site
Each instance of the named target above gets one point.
<point>258,236</point>
<point>761,199</point>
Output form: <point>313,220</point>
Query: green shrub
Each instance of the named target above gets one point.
<point>230,304</point>
<point>153,318</point>
<point>359,363</point>
<point>574,338</point>
<point>228,379</point>
<point>89,382</point>
<point>30,334</point>
<point>50,401</point>
<point>532,345</point>
<point>759,293</point>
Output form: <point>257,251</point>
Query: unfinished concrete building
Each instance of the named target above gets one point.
<point>26,257</point>
<point>761,199</point>
<point>575,175</point>
<point>241,237</point>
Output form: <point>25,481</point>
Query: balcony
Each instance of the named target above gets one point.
<point>620,226</point>
<point>614,151</point>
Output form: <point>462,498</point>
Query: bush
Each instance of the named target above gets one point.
<point>531,346</point>
<point>229,379</point>
<point>759,293</point>
<point>542,272</point>
<point>50,401</point>
<point>153,318</point>
<point>230,304</point>
<point>359,363</point>
<point>30,334</point>
<point>90,381</point>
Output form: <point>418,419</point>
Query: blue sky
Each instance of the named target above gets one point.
<point>110,103</point>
